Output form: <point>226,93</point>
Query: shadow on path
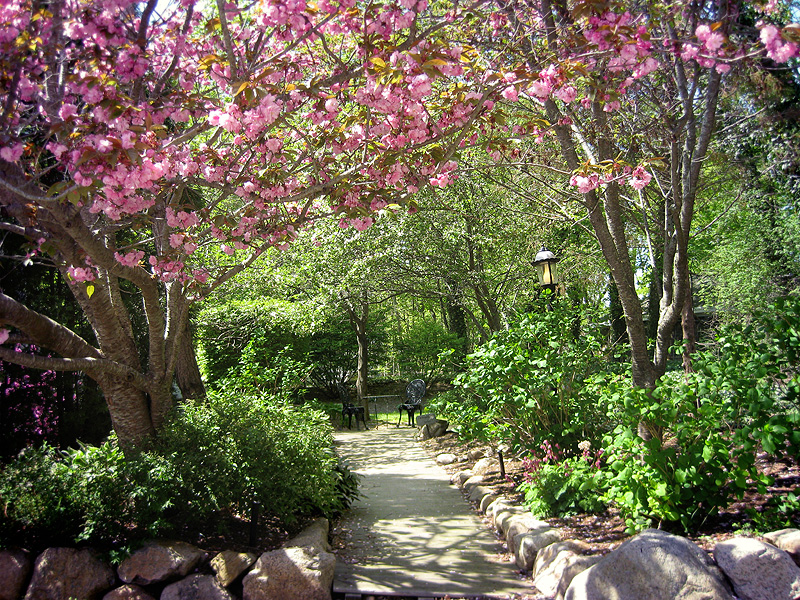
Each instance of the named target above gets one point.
<point>413,533</point>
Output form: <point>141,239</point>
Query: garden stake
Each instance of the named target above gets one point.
<point>254,509</point>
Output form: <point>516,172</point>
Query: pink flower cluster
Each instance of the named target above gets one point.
<point>637,177</point>
<point>709,50</point>
<point>130,259</point>
<point>81,274</point>
<point>11,153</point>
<point>777,49</point>
<point>168,270</point>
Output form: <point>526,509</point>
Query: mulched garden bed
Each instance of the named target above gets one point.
<point>604,532</point>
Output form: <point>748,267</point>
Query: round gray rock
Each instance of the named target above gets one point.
<point>654,565</point>
<point>291,574</point>
<point>787,540</point>
<point>61,573</point>
<point>196,587</point>
<point>160,562</point>
<point>447,458</point>
<point>759,571</point>
<point>15,568</point>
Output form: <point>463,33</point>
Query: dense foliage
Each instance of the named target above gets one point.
<point>675,454</point>
<point>528,383</point>
<point>708,426</point>
<point>208,469</point>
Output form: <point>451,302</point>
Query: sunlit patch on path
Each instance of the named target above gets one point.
<point>412,533</point>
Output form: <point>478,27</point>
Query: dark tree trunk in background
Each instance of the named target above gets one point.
<point>615,314</point>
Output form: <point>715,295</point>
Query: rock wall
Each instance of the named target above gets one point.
<point>164,570</point>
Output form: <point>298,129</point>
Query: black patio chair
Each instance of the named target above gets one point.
<point>350,410</point>
<point>415,391</point>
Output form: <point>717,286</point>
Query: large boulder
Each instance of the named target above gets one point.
<point>65,573</point>
<point>160,562</point>
<point>314,536</point>
<point>758,571</point>
<point>787,540</point>
<point>196,587</point>
<point>129,591</point>
<point>654,565</point>
<point>15,569</point>
<point>291,574</point>
<point>229,565</point>
<point>558,564</point>
<point>435,429</point>
<point>425,419</point>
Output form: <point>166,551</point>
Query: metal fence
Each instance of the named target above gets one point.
<point>383,404</point>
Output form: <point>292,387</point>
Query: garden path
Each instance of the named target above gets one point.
<point>413,534</point>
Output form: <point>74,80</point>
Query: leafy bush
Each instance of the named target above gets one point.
<point>707,427</point>
<point>212,462</point>
<point>247,340</point>
<point>528,383</point>
<point>557,485</point>
<point>419,350</point>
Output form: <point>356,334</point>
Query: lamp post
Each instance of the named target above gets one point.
<point>545,262</point>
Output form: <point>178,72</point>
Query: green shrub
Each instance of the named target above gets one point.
<point>35,493</point>
<point>211,463</point>
<point>556,485</point>
<point>528,383</point>
<point>707,428</point>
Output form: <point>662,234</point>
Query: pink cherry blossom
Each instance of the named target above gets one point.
<point>640,178</point>
<point>81,274</point>
<point>130,259</point>
<point>511,94</point>
<point>4,333</point>
<point>585,183</point>
<point>11,153</point>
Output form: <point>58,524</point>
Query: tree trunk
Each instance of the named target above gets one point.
<point>187,372</point>
<point>689,331</point>
<point>456,321</point>
<point>130,412</point>
<point>615,314</point>
<point>358,320</point>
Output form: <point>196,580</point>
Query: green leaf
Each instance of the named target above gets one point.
<point>89,289</point>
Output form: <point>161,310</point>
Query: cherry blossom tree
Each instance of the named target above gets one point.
<point>630,95</point>
<point>132,141</point>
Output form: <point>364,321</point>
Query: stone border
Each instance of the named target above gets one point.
<point>302,569</point>
<point>652,565</point>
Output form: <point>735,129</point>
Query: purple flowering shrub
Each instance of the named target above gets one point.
<point>51,407</point>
